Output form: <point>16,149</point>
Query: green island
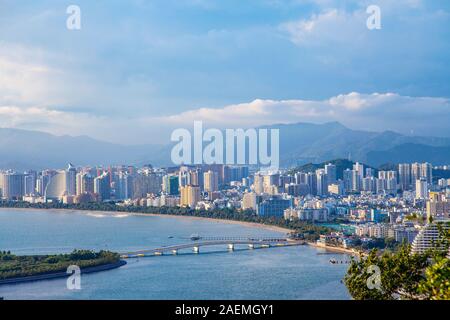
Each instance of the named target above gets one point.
<point>19,267</point>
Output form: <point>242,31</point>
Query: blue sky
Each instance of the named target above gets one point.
<point>139,68</point>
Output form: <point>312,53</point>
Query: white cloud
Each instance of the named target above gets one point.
<point>329,27</point>
<point>24,82</point>
<point>377,111</point>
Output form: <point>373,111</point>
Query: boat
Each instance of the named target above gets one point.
<point>195,237</point>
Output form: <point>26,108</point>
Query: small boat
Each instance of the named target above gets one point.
<point>170,237</point>
<point>195,237</point>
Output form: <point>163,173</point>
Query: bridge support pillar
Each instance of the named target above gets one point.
<point>251,246</point>
<point>196,249</point>
<point>231,247</point>
<point>174,251</point>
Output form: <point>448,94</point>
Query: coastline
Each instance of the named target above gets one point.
<point>334,249</point>
<point>62,274</point>
<point>120,213</point>
<point>242,223</point>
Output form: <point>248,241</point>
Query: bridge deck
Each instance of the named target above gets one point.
<point>161,250</point>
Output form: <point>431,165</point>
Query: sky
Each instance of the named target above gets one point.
<point>138,69</point>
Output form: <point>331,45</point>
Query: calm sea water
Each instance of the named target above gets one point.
<point>277,273</point>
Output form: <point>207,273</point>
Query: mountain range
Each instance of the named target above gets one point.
<point>300,143</point>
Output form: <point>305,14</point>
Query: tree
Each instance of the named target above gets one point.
<point>403,275</point>
<point>400,275</point>
<point>436,285</point>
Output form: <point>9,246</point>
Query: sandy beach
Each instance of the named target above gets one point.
<point>118,213</point>
<point>334,249</point>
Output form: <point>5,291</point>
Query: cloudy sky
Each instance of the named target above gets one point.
<point>137,69</point>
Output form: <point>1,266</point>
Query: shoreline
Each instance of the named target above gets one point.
<point>334,249</point>
<point>122,213</point>
<point>62,274</point>
<point>242,223</point>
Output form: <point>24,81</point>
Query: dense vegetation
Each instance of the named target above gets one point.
<point>402,275</point>
<point>12,266</point>
<point>302,229</point>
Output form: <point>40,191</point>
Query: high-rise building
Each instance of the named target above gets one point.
<point>312,182</point>
<point>415,172</point>
<point>322,182</point>
<point>124,186</point>
<point>426,171</point>
<point>193,177</point>
<point>359,168</point>
<point>331,172</point>
<point>29,183</point>
<point>370,172</point>
<point>146,182</point>
<point>380,185</point>
<point>404,175</point>
<point>258,183</point>
<point>171,185</point>
<point>250,201</point>
<point>43,180</point>
<point>84,183</point>
<point>271,180</point>
<point>438,205</point>
<point>421,188</point>
<point>274,207</point>
<point>211,181</point>
<point>369,184</point>
<point>301,177</point>
<point>12,185</point>
<point>56,188</point>
<point>356,180</point>
<point>422,170</point>
<point>71,180</point>
<point>429,237</point>
<point>102,186</point>
<point>190,196</point>
<point>348,178</point>
<point>233,173</point>
<point>405,234</point>
<point>337,188</point>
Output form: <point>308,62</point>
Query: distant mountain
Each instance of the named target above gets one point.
<point>24,149</point>
<point>300,143</point>
<point>408,152</point>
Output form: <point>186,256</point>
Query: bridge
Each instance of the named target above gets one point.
<point>230,242</point>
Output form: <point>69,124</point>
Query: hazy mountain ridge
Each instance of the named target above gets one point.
<point>23,149</point>
<point>300,143</point>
